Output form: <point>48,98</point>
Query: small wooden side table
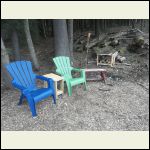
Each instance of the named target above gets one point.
<point>111,59</point>
<point>107,55</point>
<point>56,79</point>
<point>102,73</point>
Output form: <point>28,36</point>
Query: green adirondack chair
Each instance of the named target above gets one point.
<point>65,69</point>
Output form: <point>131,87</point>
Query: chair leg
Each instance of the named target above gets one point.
<point>69,89</point>
<point>85,88</point>
<point>32,107</point>
<point>21,99</point>
<point>54,99</point>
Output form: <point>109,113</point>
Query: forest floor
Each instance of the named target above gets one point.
<point>124,107</point>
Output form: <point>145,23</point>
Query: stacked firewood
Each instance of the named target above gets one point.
<point>111,43</point>
<point>136,36</point>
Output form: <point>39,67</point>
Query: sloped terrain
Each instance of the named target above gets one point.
<point>122,105</point>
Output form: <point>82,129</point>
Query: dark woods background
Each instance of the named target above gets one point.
<point>26,39</point>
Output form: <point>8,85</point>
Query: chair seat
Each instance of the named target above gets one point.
<point>41,94</point>
<point>75,81</point>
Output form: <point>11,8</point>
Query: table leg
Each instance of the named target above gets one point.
<point>45,84</point>
<point>103,75</point>
<point>62,85</point>
<point>97,60</point>
<point>56,89</point>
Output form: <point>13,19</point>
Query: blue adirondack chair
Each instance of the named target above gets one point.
<point>24,79</point>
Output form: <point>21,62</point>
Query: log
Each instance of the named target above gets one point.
<point>104,89</point>
<point>123,64</point>
<point>96,41</point>
<point>78,41</point>
<point>140,31</point>
<point>120,34</point>
<point>124,38</point>
<point>120,58</point>
<point>90,45</point>
<point>144,53</point>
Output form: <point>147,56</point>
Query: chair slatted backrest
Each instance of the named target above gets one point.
<point>22,74</point>
<point>63,65</point>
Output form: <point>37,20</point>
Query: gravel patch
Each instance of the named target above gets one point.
<point>125,107</point>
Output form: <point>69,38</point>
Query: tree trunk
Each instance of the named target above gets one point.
<point>61,43</point>
<point>15,43</point>
<point>97,27</point>
<point>5,60</point>
<point>70,37</point>
<point>141,24</point>
<point>4,55</point>
<point>44,28</point>
<point>133,23</point>
<point>50,28</point>
<point>93,25</point>
<point>82,25</point>
<point>103,25</point>
<point>37,31</point>
<point>30,44</point>
<point>90,24</point>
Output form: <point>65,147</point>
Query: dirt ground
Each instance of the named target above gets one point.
<point>124,106</point>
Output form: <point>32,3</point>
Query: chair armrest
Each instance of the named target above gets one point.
<point>83,73</point>
<point>80,70</point>
<point>49,81</point>
<point>43,78</point>
<point>76,69</point>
